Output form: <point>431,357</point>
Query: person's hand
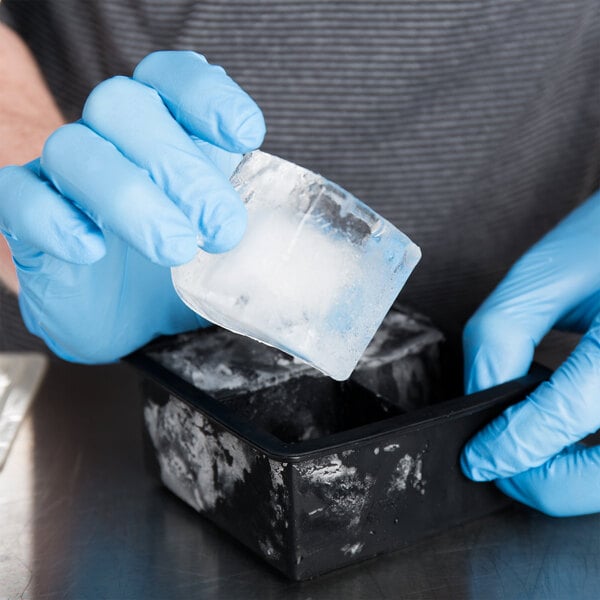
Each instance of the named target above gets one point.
<point>532,450</point>
<point>116,199</point>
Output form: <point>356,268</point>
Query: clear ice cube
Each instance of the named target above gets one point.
<point>315,273</point>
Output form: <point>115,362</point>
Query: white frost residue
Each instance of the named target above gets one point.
<point>418,482</point>
<point>328,472</point>
<point>353,549</point>
<point>221,377</point>
<point>221,362</point>
<point>276,473</point>
<point>267,549</point>
<point>403,469</point>
<point>279,504</point>
<point>343,491</point>
<point>278,495</point>
<point>408,472</point>
<point>197,463</point>
<point>151,420</point>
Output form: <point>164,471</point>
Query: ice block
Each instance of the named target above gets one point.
<point>315,273</point>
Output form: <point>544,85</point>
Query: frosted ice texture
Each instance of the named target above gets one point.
<point>315,273</point>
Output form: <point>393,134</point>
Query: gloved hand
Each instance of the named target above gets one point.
<point>532,450</point>
<point>122,195</point>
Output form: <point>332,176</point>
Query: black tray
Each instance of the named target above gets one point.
<point>313,485</point>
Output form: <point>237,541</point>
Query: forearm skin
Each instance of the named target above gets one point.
<point>28,114</point>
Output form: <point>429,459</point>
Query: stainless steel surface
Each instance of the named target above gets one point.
<point>80,518</point>
<point>20,377</point>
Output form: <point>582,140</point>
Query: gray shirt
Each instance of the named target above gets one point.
<point>474,126</point>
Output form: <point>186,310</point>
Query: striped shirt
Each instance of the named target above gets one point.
<point>474,126</point>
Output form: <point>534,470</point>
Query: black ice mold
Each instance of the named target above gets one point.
<point>312,474</point>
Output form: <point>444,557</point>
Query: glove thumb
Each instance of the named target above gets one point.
<point>496,350</point>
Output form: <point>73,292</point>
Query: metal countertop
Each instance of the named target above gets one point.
<point>81,518</point>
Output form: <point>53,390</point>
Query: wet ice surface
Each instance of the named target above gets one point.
<point>295,402</point>
<point>314,274</point>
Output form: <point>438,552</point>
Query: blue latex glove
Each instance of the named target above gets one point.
<point>531,450</point>
<point>122,195</point>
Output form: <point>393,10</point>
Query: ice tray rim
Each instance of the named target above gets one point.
<point>276,449</point>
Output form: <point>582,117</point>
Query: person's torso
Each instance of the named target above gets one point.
<point>473,126</point>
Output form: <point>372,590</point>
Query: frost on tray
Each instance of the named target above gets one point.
<point>317,509</point>
<point>198,463</point>
<point>214,471</point>
<point>222,363</point>
<point>401,365</point>
<point>339,492</point>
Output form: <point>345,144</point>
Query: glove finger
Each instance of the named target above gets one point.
<point>549,281</point>
<point>226,162</point>
<point>94,314</point>
<point>34,218</point>
<point>566,485</point>
<point>580,318</point>
<point>204,99</point>
<point>118,196</point>
<point>559,412</point>
<point>133,117</point>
